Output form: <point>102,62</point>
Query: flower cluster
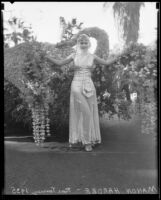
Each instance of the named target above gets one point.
<point>41,126</point>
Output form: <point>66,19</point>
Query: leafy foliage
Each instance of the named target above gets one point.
<point>127,14</point>
<point>16,109</point>
<point>143,72</point>
<point>39,81</point>
<point>28,71</point>
<point>19,32</point>
<point>68,28</point>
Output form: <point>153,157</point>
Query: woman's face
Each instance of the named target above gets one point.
<point>84,44</point>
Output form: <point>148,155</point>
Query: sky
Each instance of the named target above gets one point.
<point>44,19</point>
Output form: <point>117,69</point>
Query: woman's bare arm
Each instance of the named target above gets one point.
<point>59,62</point>
<point>106,62</point>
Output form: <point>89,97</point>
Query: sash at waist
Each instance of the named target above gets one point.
<point>82,75</point>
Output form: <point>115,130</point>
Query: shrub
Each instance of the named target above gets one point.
<point>48,88</point>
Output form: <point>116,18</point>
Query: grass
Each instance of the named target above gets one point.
<point>125,161</point>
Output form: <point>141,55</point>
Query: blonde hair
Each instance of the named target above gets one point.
<point>84,37</point>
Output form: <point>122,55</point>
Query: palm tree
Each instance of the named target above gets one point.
<point>127,15</point>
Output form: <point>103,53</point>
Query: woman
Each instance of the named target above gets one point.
<point>83,119</point>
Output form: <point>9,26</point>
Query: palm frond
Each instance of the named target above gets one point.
<point>127,15</point>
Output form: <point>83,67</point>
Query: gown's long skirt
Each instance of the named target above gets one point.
<point>83,116</point>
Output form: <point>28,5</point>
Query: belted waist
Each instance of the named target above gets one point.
<point>82,75</point>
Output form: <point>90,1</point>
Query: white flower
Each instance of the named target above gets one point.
<point>106,94</point>
<point>30,85</point>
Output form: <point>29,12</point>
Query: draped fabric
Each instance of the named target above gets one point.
<point>83,117</point>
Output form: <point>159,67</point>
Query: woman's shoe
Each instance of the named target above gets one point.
<point>88,147</point>
<point>93,145</point>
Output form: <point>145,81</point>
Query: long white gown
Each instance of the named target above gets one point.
<point>83,117</point>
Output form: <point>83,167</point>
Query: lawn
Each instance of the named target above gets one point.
<point>125,162</point>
